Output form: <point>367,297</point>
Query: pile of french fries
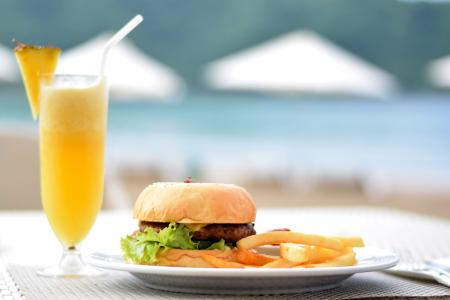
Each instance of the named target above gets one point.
<point>296,250</point>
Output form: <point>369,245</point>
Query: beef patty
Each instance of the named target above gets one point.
<point>212,232</point>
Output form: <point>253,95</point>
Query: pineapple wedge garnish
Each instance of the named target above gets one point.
<point>35,62</point>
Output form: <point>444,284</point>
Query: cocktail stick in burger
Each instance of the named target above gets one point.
<point>180,223</point>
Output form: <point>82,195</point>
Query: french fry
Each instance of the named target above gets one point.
<point>347,250</point>
<point>350,241</point>
<point>293,252</point>
<point>320,254</point>
<point>306,253</point>
<point>278,237</point>
<point>348,259</point>
<point>281,263</point>
<point>249,257</point>
<point>221,263</point>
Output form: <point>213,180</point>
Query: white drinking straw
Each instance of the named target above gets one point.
<point>123,32</point>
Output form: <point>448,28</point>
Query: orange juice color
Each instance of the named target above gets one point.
<point>72,141</point>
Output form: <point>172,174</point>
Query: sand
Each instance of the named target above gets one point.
<point>272,194</point>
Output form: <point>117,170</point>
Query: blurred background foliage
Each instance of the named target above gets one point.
<point>398,36</point>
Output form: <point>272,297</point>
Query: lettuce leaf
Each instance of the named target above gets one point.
<point>220,245</point>
<point>211,245</point>
<point>143,247</point>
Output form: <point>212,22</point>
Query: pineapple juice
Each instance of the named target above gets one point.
<point>72,141</point>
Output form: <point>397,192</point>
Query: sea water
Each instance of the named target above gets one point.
<point>240,134</point>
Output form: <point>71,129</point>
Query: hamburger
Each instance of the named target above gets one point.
<point>181,222</point>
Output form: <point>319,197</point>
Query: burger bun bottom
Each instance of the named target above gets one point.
<point>192,258</point>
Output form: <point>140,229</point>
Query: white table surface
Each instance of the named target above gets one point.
<point>27,242</point>
<point>26,237</point>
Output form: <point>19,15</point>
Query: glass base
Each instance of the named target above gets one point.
<point>71,265</point>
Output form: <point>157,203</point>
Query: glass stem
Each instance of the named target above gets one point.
<point>71,261</point>
<point>71,265</point>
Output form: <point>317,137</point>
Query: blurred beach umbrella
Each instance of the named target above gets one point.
<point>132,74</point>
<point>8,66</point>
<point>299,62</point>
<point>439,72</point>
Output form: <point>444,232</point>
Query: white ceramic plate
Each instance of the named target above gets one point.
<point>246,281</point>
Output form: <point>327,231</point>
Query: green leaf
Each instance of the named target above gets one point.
<point>143,247</point>
<point>177,236</point>
<point>220,245</point>
<point>150,235</point>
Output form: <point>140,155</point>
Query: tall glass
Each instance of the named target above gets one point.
<point>72,129</point>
